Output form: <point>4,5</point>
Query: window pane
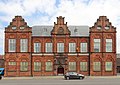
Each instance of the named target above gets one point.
<point>83,47</point>
<point>96,45</point>
<point>99,27</point>
<point>72,66</point>
<point>108,45</point>
<point>108,66</point>
<point>11,63</point>
<point>14,27</point>
<point>72,47</point>
<point>49,66</point>
<point>12,45</point>
<point>23,45</point>
<point>96,66</point>
<point>37,66</point>
<point>83,66</point>
<point>22,28</point>
<point>60,47</point>
<point>24,66</point>
<point>48,47</point>
<point>37,47</point>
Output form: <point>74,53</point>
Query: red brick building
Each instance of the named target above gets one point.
<point>57,49</point>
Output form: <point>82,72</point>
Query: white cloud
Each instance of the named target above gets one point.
<point>1,41</point>
<point>76,12</point>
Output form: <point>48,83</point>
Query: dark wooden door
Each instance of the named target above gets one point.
<point>60,70</point>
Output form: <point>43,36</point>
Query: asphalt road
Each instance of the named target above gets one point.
<point>61,81</point>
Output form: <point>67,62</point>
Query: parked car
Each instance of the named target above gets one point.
<point>73,75</point>
<point>1,73</point>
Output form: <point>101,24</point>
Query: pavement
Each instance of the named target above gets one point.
<point>58,77</point>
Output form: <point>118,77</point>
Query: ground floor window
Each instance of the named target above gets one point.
<point>37,66</point>
<point>83,66</point>
<point>72,66</point>
<point>96,66</point>
<point>108,66</point>
<point>49,66</point>
<point>11,63</point>
<point>23,66</point>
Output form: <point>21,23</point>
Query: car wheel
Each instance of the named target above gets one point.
<point>81,78</point>
<point>67,78</point>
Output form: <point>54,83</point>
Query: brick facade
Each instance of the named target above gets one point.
<point>59,34</point>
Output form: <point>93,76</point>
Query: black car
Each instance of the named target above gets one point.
<point>73,75</point>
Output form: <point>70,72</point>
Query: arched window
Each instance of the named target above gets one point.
<point>60,30</point>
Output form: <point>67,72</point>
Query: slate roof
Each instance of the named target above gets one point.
<point>46,30</point>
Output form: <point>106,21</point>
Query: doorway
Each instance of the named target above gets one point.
<point>60,70</point>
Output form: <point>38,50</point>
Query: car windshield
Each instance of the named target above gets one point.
<point>72,73</point>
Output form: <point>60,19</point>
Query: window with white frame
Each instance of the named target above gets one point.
<point>12,63</point>
<point>37,66</point>
<point>37,47</point>
<point>12,45</point>
<point>23,45</point>
<point>108,45</point>
<point>49,66</point>
<point>72,47</point>
<point>23,66</point>
<point>48,47</point>
<point>83,66</point>
<point>14,27</point>
<point>107,27</point>
<point>22,27</point>
<point>72,66</point>
<point>96,66</point>
<point>96,45</point>
<point>83,47</point>
<point>108,66</point>
<point>98,27</point>
<point>60,47</point>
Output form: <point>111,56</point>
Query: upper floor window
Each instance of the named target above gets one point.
<point>98,27</point>
<point>60,47</point>
<point>72,47</point>
<point>12,45</point>
<point>108,66</point>
<point>48,47</point>
<point>37,47</point>
<point>22,27</point>
<point>108,45</point>
<point>14,27</point>
<point>60,30</point>
<point>23,45</point>
<point>107,27</point>
<point>83,47</point>
<point>96,45</point>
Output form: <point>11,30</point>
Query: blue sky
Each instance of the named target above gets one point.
<point>44,12</point>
